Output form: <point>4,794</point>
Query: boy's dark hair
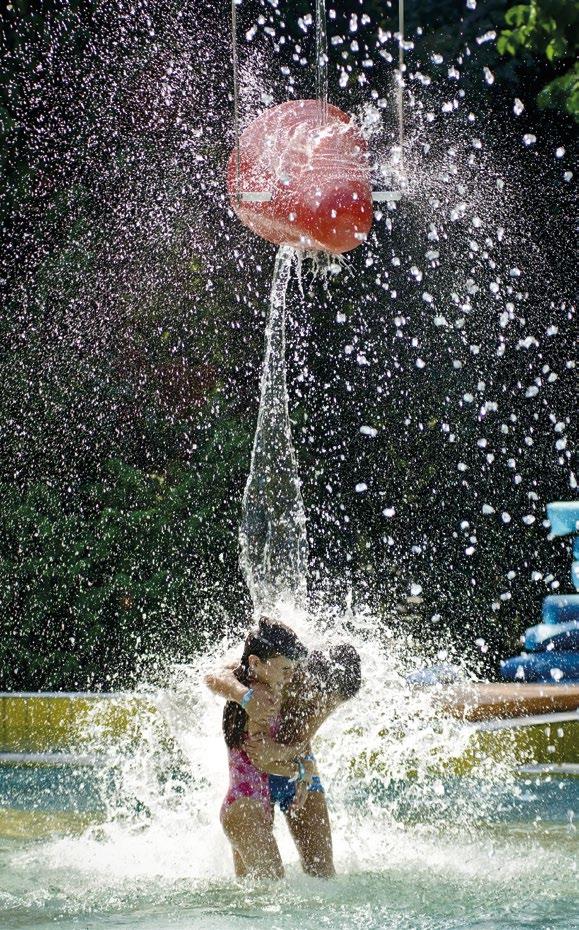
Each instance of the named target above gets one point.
<point>337,673</point>
<point>269,640</point>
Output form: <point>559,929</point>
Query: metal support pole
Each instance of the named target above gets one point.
<point>236,98</point>
<point>401,80</point>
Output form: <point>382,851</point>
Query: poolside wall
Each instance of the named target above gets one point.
<point>48,723</point>
<point>60,722</point>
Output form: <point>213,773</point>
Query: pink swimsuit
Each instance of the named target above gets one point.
<point>245,780</point>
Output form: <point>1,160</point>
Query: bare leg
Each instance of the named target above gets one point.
<point>238,864</point>
<point>312,834</point>
<point>249,830</point>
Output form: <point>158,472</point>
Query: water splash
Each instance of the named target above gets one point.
<point>274,547</point>
<point>426,848</point>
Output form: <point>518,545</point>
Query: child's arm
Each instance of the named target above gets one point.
<point>300,721</point>
<point>224,684</point>
<point>308,727</point>
<point>274,758</point>
<point>262,706</point>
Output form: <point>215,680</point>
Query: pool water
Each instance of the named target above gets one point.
<point>134,841</point>
<point>411,856</point>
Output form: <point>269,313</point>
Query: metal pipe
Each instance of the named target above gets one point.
<point>401,80</point>
<point>236,98</point>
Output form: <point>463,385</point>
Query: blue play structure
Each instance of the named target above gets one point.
<point>564,517</point>
<point>551,649</point>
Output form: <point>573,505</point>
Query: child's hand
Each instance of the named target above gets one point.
<point>300,796</point>
<point>302,788</point>
<point>269,756</point>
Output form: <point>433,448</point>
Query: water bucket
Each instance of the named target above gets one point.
<point>301,183</point>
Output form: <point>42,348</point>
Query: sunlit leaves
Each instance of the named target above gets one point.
<point>546,29</point>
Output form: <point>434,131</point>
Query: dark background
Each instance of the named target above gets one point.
<point>133,318</point>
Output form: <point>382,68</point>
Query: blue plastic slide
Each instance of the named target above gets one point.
<point>563,636</point>
<point>561,608</point>
<point>564,517</point>
<point>546,667</point>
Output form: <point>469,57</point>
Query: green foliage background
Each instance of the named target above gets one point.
<point>546,31</point>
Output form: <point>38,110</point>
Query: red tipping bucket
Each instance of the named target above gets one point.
<point>317,177</point>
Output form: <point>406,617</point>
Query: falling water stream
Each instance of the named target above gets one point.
<point>274,548</point>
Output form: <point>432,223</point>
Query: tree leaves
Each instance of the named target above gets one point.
<point>545,29</point>
<point>562,93</point>
<point>130,558</point>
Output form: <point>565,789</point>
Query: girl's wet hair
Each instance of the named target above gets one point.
<point>268,640</point>
<point>272,639</point>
